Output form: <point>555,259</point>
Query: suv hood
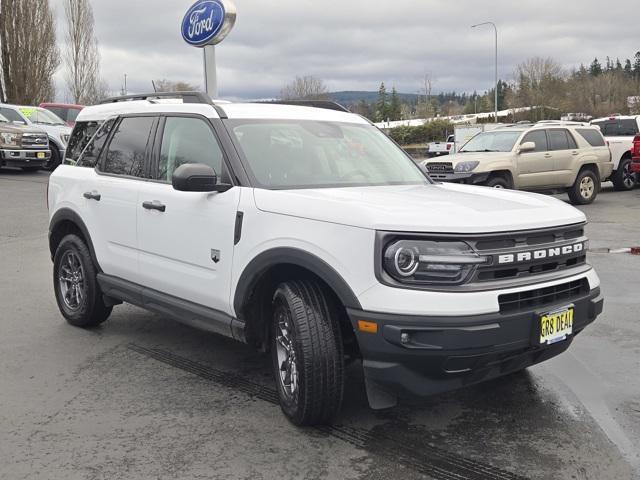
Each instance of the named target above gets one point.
<point>8,127</point>
<point>54,130</point>
<point>439,208</point>
<point>481,157</point>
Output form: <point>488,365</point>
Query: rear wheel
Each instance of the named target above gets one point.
<point>585,189</point>
<point>76,286</point>
<point>623,178</point>
<point>307,353</point>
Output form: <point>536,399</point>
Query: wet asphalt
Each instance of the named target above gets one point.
<point>143,397</point>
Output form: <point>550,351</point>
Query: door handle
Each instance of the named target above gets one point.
<point>575,153</point>
<point>155,205</point>
<point>547,155</point>
<point>92,196</point>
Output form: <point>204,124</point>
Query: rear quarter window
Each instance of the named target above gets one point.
<point>594,138</point>
<point>80,136</point>
<point>91,153</point>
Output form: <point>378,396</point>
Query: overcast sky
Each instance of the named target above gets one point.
<point>356,44</point>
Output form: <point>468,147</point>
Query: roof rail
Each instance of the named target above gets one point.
<point>326,104</point>
<point>187,97</point>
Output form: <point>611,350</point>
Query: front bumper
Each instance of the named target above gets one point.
<point>446,353</point>
<point>635,165</point>
<point>23,158</point>
<point>466,178</point>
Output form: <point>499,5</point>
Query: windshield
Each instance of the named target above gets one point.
<point>502,141</point>
<point>41,116</point>
<point>3,118</point>
<point>310,154</point>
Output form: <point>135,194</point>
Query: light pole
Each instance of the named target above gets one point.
<point>495,29</point>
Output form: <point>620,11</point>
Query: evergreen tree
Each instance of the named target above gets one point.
<point>595,68</point>
<point>395,109</point>
<point>636,65</point>
<point>628,71</point>
<point>608,65</point>
<point>382,105</point>
<point>618,65</point>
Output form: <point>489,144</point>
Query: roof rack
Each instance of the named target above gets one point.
<point>187,97</point>
<point>326,104</point>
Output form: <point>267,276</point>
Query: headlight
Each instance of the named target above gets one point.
<point>463,167</point>
<point>430,262</point>
<point>65,138</point>
<point>10,139</point>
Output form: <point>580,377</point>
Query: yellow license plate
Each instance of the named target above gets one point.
<point>556,325</point>
<point>41,155</point>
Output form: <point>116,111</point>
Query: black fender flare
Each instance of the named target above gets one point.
<point>68,215</point>
<point>291,256</point>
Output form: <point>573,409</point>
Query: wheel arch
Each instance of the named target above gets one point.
<point>503,173</point>
<point>64,222</point>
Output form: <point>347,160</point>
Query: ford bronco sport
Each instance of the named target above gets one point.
<point>22,146</point>
<point>306,232</point>
<point>545,157</point>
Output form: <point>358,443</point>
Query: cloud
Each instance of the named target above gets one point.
<point>356,44</point>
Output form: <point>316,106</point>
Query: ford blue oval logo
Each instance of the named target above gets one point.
<point>203,22</point>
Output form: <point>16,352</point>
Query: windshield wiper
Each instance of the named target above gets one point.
<point>475,151</point>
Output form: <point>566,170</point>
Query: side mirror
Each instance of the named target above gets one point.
<point>194,177</point>
<point>527,147</point>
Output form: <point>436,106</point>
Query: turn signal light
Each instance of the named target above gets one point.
<point>368,327</point>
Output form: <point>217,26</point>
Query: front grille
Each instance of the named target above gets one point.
<point>439,167</point>
<point>35,141</point>
<point>539,297</point>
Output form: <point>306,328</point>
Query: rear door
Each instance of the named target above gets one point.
<point>565,156</point>
<point>186,244</point>
<point>121,171</point>
<point>535,166</point>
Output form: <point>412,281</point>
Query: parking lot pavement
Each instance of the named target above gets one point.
<point>146,398</point>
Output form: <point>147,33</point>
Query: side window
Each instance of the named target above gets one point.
<point>92,151</point>
<point>628,127</point>
<point>594,138</point>
<point>80,136</point>
<point>187,140</point>
<point>572,141</point>
<point>11,115</point>
<point>539,137</point>
<point>558,139</point>
<point>126,151</point>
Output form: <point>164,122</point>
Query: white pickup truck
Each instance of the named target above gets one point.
<point>619,132</point>
<point>435,149</point>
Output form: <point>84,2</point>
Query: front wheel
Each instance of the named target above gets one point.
<point>76,286</point>
<point>498,182</point>
<point>585,188</point>
<point>623,178</point>
<point>307,353</point>
<point>54,160</point>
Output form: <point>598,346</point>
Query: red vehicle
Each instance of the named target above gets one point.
<point>635,155</point>
<point>66,111</point>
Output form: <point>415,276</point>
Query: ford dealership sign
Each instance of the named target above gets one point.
<point>207,22</point>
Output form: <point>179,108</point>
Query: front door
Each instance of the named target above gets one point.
<point>534,166</point>
<point>186,243</point>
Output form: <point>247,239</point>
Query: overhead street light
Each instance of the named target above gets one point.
<point>495,29</point>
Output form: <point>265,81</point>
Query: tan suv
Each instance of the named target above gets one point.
<point>544,157</point>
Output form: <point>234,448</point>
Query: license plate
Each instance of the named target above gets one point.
<point>556,325</point>
<point>40,154</point>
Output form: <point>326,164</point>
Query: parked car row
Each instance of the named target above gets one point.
<point>548,156</point>
<point>21,126</point>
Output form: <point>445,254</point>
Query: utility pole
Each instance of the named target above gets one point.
<point>495,29</point>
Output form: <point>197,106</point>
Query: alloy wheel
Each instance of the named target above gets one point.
<point>628,177</point>
<point>286,354</point>
<point>71,279</point>
<point>587,187</point>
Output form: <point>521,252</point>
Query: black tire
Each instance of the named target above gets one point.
<point>585,189</point>
<point>86,308</point>
<point>30,169</point>
<point>54,160</point>
<point>623,178</point>
<point>312,332</point>
<point>498,182</point>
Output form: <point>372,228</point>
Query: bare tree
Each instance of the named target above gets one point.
<point>540,82</point>
<point>424,107</point>
<point>29,53</point>
<point>305,88</point>
<point>165,85</point>
<point>81,55</point>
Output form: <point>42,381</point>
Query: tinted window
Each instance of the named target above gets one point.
<point>187,140</point>
<point>58,111</point>
<point>72,114</point>
<point>558,140</point>
<point>592,136</point>
<point>618,127</point>
<point>92,151</point>
<point>126,151</point>
<point>80,136</point>
<point>11,115</point>
<point>539,138</point>
<point>572,141</point>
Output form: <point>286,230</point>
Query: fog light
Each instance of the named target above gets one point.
<point>404,338</point>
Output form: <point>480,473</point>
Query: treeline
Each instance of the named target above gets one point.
<point>598,89</point>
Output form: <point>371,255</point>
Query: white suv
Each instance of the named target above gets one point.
<point>308,233</point>
<point>619,132</point>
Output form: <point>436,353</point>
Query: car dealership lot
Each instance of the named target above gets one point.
<point>145,397</point>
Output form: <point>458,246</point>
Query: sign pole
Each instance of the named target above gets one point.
<point>210,75</point>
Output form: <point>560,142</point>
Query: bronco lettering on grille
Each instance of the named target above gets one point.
<point>529,255</point>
